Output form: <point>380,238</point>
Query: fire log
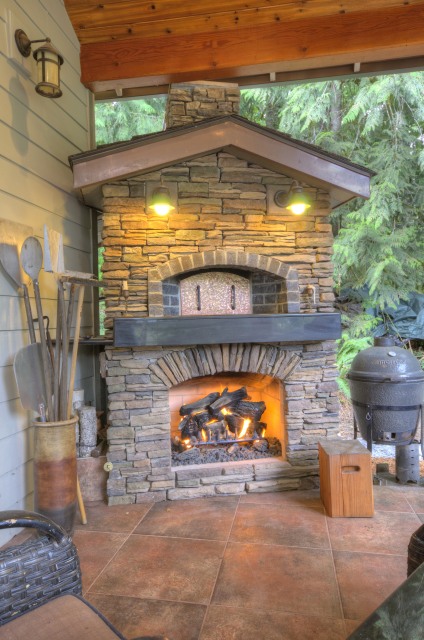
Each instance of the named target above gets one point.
<point>227,399</point>
<point>201,418</point>
<point>188,427</point>
<point>203,403</point>
<point>251,410</point>
<point>235,422</point>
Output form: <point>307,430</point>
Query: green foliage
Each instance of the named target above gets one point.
<point>122,119</point>
<point>377,122</point>
<point>263,106</point>
<point>354,339</point>
<point>101,291</point>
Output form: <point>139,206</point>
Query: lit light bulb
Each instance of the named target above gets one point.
<point>162,209</point>
<point>298,208</point>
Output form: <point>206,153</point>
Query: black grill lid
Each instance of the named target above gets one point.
<point>386,364</point>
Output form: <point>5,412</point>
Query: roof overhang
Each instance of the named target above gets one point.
<point>131,45</point>
<point>233,134</point>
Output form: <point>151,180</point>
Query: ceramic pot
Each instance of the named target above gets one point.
<point>55,471</point>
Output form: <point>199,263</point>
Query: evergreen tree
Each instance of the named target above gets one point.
<point>377,122</point>
<point>122,119</point>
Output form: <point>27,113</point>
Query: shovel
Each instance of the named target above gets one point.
<point>29,374</point>
<point>31,260</point>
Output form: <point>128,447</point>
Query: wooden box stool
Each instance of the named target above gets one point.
<point>346,479</point>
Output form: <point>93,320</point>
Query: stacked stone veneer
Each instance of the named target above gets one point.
<point>220,220</point>
<point>221,208</point>
<point>192,102</point>
<point>139,433</point>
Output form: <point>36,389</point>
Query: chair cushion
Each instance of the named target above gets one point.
<point>67,617</point>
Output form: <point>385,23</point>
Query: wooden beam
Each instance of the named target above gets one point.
<point>189,330</point>
<point>397,31</point>
<point>403,65</point>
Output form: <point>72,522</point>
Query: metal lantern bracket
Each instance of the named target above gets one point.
<point>24,43</point>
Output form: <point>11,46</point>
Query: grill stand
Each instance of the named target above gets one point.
<point>407,454</point>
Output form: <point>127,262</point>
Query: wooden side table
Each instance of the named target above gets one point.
<point>346,479</point>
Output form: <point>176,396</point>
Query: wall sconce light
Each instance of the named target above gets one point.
<point>161,201</point>
<point>295,199</point>
<point>48,61</point>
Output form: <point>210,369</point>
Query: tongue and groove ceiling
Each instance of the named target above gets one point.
<point>134,47</point>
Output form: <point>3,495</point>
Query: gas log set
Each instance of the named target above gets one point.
<point>220,427</point>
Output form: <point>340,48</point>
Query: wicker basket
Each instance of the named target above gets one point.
<point>40,568</point>
<point>416,550</point>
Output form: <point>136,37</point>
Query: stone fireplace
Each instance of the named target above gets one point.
<point>228,291</point>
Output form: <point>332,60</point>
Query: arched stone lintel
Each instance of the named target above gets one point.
<point>180,366</point>
<point>220,258</point>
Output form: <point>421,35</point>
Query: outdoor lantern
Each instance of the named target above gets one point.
<point>295,199</point>
<point>161,201</point>
<point>48,61</point>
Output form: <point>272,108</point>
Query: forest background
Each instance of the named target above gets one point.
<point>377,122</point>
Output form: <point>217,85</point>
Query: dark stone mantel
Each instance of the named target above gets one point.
<point>190,330</point>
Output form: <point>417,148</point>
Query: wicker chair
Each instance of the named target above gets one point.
<point>40,587</point>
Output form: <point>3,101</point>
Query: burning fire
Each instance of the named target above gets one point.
<point>244,428</point>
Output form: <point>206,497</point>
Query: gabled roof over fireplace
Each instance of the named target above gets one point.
<point>268,148</point>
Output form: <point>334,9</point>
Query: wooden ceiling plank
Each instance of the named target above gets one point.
<point>393,29</point>
<point>129,11</point>
<point>219,21</point>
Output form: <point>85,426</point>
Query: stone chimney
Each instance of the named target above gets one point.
<point>191,102</point>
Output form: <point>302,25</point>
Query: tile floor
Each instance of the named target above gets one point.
<point>264,566</point>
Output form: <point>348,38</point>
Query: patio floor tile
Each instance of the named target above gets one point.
<point>283,524</point>
<point>309,498</point>
<point>415,497</point>
<point>206,519</point>
<point>228,623</point>
<point>366,580</point>
<point>95,550</point>
<point>388,499</point>
<point>384,533</point>
<point>118,519</point>
<point>135,617</point>
<point>272,577</point>
<point>163,568</point>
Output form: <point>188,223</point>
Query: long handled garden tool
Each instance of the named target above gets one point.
<point>54,263</point>
<point>30,378</point>
<point>32,260</point>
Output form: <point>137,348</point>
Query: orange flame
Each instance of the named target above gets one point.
<point>244,428</point>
